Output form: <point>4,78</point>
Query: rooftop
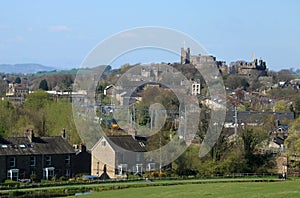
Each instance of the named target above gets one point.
<point>39,145</point>
<point>127,142</point>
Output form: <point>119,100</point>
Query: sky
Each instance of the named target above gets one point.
<point>61,33</point>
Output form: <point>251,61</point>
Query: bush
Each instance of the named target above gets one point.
<point>33,177</point>
<point>63,178</point>
<point>45,181</point>
<point>9,181</point>
<point>162,174</point>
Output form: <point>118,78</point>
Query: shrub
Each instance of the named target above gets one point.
<point>63,178</point>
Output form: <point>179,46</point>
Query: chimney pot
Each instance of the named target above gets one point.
<point>63,133</point>
<point>29,134</point>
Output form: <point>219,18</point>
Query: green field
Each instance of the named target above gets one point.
<point>233,189</point>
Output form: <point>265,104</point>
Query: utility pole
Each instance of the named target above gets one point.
<point>151,119</point>
<point>156,117</point>
<point>160,152</point>
<point>134,121</point>
<point>235,123</point>
<point>185,122</point>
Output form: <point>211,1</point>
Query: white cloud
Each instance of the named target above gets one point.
<point>59,28</point>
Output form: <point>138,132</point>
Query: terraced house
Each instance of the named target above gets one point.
<point>35,157</point>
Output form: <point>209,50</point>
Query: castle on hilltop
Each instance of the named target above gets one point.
<point>252,70</point>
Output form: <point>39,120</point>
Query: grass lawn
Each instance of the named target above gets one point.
<point>234,189</point>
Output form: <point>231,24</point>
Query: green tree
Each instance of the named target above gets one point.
<point>297,107</point>
<point>18,80</point>
<point>34,106</point>
<point>37,100</point>
<point>44,85</point>
<point>58,115</point>
<point>293,141</point>
<point>269,123</point>
<point>234,81</point>
<point>67,82</point>
<point>280,106</point>
<point>188,163</point>
<point>251,138</point>
<point>284,75</point>
<point>7,117</point>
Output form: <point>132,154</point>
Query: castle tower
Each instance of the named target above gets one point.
<point>185,56</point>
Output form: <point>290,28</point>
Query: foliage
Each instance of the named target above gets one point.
<point>40,113</point>
<point>18,80</point>
<point>44,85</point>
<point>34,108</point>
<point>284,75</point>
<point>37,100</point>
<point>234,82</point>
<point>292,143</point>
<point>251,138</point>
<point>7,113</point>
<point>67,81</point>
<point>297,107</point>
<point>58,115</point>
<point>280,106</point>
<point>188,163</point>
<point>286,93</point>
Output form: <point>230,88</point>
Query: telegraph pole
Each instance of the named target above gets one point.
<point>235,123</point>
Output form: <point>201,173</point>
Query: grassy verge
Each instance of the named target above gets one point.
<point>96,187</point>
<point>224,190</point>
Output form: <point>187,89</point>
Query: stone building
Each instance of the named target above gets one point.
<point>120,155</point>
<point>196,88</point>
<point>38,157</point>
<point>201,60</point>
<point>253,69</point>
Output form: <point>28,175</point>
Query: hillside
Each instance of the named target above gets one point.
<point>24,68</point>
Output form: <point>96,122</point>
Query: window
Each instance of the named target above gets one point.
<point>67,173</point>
<point>32,160</point>
<point>103,143</point>
<point>122,169</point>
<point>12,162</point>
<point>150,166</point>
<point>68,160</point>
<point>139,168</point>
<point>48,160</point>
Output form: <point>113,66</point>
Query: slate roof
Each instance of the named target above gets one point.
<point>39,145</point>
<point>127,142</point>
<point>257,117</point>
<point>278,140</point>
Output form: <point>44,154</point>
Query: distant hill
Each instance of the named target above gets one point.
<point>26,68</point>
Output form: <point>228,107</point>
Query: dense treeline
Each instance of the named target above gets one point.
<point>39,112</point>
